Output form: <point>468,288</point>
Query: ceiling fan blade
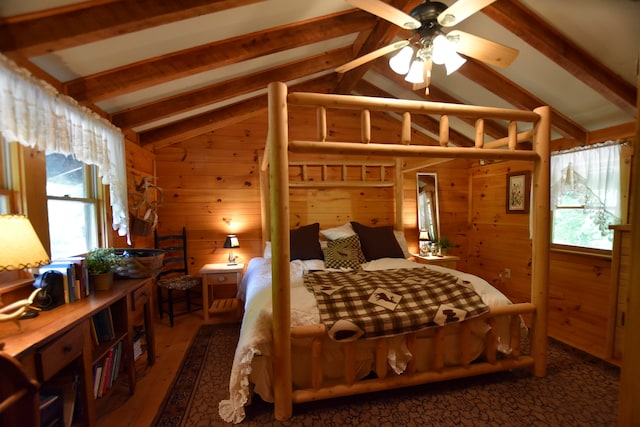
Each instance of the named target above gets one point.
<point>371,56</point>
<point>461,10</point>
<point>384,11</point>
<point>482,49</point>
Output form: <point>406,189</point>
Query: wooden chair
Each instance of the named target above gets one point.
<point>19,400</point>
<point>174,276</point>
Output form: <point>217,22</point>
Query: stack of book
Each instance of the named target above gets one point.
<point>75,277</point>
<point>105,372</point>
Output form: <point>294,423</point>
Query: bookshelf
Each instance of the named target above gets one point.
<point>62,343</point>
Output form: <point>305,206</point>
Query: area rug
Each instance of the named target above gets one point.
<point>579,390</point>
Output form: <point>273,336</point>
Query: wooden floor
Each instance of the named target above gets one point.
<point>140,409</point>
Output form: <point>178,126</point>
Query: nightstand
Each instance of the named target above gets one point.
<point>219,289</point>
<point>448,261</point>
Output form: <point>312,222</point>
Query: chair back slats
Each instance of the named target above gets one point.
<point>175,252</point>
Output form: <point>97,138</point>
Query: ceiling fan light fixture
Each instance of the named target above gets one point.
<point>416,72</point>
<point>401,61</point>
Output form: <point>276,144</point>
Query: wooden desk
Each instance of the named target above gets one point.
<point>62,337</point>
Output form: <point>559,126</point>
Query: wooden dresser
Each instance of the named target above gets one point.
<point>620,287</point>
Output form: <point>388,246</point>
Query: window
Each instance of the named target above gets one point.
<point>587,196</point>
<point>74,206</point>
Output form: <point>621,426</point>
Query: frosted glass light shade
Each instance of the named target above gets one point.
<point>416,74</point>
<point>401,61</point>
<point>454,61</point>
<point>441,47</point>
<point>20,246</point>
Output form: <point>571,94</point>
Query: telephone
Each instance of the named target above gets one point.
<point>52,294</point>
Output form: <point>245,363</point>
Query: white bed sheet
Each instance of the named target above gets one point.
<point>255,335</point>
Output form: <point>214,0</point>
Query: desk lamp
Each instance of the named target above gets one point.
<point>20,248</point>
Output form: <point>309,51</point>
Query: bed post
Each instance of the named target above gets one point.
<point>399,192</point>
<point>281,290</point>
<point>541,241</point>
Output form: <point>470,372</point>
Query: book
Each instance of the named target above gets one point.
<point>81,273</point>
<point>97,375</point>
<point>103,323</point>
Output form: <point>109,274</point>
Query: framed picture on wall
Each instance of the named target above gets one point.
<point>518,192</point>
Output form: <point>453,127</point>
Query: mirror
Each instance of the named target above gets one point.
<point>427,200</point>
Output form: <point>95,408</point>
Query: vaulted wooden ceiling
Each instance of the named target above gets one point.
<point>167,71</point>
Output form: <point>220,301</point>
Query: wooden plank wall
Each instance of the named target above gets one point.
<point>579,286</point>
<point>211,185</point>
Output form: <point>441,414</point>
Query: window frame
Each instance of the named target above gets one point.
<point>95,193</point>
<point>625,177</point>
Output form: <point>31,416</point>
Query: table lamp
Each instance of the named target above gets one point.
<point>20,248</point>
<point>230,243</point>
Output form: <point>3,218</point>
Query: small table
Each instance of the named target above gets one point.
<point>448,261</point>
<point>223,280</point>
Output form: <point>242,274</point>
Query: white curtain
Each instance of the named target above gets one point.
<point>596,166</point>
<point>34,114</point>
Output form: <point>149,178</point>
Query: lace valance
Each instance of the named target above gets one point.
<point>34,114</point>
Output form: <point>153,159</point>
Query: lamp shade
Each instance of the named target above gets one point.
<point>231,242</point>
<point>424,235</point>
<point>20,246</point>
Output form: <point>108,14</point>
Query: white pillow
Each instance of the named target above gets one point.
<point>340,232</point>
<point>402,241</point>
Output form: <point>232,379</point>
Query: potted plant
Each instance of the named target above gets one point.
<point>100,263</point>
<point>444,244</point>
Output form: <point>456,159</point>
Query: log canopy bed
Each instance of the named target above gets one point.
<point>487,340</point>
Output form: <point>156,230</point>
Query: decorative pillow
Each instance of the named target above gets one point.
<point>304,243</point>
<point>336,233</point>
<point>344,253</point>
<point>377,242</point>
<point>402,241</point>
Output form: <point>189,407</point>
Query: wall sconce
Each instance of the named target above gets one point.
<point>230,243</point>
<point>20,248</point>
<point>424,242</point>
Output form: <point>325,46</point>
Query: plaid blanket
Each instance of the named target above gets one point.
<point>369,304</point>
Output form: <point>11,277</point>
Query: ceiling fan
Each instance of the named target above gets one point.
<point>429,44</point>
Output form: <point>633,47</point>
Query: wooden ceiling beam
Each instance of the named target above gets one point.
<point>491,127</point>
<point>166,107</point>
<point>143,74</point>
<point>515,95</point>
<point>207,122</point>
<point>427,122</point>
<point>515,17</point>
<point>382,35</point>
<point>66,27</point>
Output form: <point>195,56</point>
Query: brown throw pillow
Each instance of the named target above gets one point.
<point>304,242</point>
<point>377,242</point>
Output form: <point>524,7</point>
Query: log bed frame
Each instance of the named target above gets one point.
<point>275,187</point>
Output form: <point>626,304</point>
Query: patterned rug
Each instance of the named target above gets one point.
<point>579,390</point>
